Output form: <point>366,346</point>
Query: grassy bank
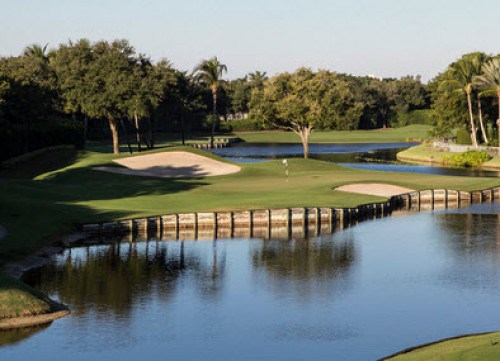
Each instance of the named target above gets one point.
<point>17,299</point>
<point>403,134</point>
<point>427,154</point>
<point>479,347</point>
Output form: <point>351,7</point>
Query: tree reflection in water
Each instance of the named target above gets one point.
<point>307,267</point>
<point>111,279</point>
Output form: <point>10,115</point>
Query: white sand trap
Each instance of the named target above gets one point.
<point>374,189</point>
<point>171,165</point>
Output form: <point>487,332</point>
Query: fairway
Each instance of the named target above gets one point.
<point>39,207</point>
<point>404,134</point>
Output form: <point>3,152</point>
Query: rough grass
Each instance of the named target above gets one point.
<point>37,206</point>
<point>18,299</point>
<point>415,131</point>
<point>480,347</point>
<point>427,154</point>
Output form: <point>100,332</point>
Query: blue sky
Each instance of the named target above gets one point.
<point>378,37</point>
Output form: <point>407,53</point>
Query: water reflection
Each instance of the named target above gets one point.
<point>12,337</point>
<point>305,268</point>
<point>110,279</point>
<point>357,294</point>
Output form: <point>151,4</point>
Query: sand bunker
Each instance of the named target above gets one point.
<point>171,165</point>
<point>374,189</point>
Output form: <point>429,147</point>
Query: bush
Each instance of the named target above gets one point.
<point>245,125</point>
<point>463,137</point>
<point>471,158</point>
<point>15,140</point>
<point>421,116</point>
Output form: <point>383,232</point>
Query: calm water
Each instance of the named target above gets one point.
<point>359,294</point>
<point>370,156</point>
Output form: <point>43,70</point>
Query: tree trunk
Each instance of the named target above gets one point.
<point>214,116</point>
<point>85,130</point>
<point>471,117</point>
<point>481,123</point>
<point>137,131</point>
<point>498,120</point>
<point>183,135</point>
<point>304,137</point>
<point>114,133</point>
<point>127,138</point>
<point>151,134</point>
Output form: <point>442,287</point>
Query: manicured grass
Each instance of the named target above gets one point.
<point>481,347</point>
<point>17,299</point>
<point>36,208</point>
<point>427,154</point>
<point>493,163</point>
<point>403,134</point>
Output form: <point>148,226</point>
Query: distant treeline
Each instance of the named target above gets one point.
<point>83,90</point>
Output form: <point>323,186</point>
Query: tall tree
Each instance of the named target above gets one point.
<point>209,72</point>
<point>462,76</point>
<point>490,82</point>
<point>36,51</point>
<point>303,101</point>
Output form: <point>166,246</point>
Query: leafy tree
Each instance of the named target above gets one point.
<point>148,83</point>
<point>462,74</point>
<point>489,81</point>
<point>304,100</point>
<point>209,72</point>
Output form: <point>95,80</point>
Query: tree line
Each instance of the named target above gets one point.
<point>54,96</point>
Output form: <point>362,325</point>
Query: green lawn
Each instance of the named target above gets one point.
<point>17,299</point>
<point>480,347</point>
<point>403,134</point>
<point>41,200</point>
<point>427,154</point>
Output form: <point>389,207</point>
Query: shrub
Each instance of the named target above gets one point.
<point>471,158</point>
<point>463,137</point>
<point>245,125</point>
<point>420,116</point>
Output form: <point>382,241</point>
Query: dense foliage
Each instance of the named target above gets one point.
<point>83,90</point>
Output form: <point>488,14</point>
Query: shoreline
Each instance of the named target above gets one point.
<point>436,158</point>
<point>421,200</point>
<point>433,343</point>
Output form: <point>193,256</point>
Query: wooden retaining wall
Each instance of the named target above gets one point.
<point>266,223</point>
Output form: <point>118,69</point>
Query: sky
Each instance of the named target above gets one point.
<point>384,38</point>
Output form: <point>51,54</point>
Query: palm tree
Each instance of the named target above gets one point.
<point>209,72</point>
<point>257,78</point>
<point>36,51</point>
<point>478,59</point>
<point>490,81</point>
<point>463,73</point>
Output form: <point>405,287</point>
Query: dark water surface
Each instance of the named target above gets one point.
<point>359,294</point>
<point>369,156</point>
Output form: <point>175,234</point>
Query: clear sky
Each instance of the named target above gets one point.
<point>361,37</point>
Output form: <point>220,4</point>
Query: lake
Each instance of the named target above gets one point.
<point>357,294</point>
<point>369,156</point>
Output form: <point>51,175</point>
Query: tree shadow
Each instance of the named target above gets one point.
<point>158,171</point>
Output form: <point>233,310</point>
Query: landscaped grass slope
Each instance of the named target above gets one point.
<point>17,299</point>
<point>480,347</point>
<point>35,208</point>
<point>427,154</point>
<point>403,134</point>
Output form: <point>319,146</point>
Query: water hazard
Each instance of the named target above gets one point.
<point>356,294</point>
<point>369,156</point>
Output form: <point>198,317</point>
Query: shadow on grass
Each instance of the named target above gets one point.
<point>158,171</point>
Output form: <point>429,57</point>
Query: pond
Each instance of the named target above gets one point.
<point>356,294</point>
<point>369,156</point>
